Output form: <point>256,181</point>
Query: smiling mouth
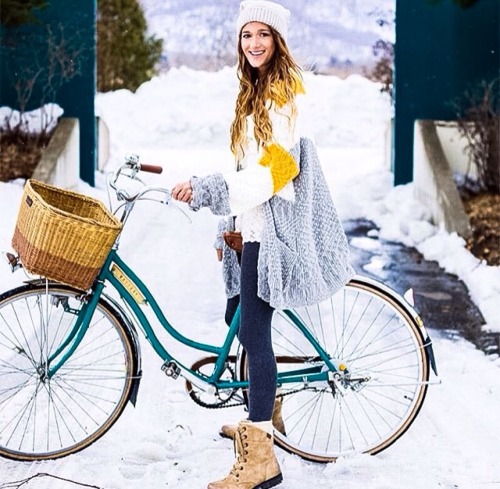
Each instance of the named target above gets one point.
<point>256,53</point>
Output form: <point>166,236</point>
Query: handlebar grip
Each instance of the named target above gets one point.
<point>151,168</point>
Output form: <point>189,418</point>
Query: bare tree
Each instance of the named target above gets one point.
<point>55,58</point>
<point>478,118</point>
<point>383,71</point>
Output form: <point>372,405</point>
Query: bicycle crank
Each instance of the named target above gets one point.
<point>214,398</point>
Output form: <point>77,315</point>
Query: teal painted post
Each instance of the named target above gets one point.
<point>77,97</point>
<point>441,51</point>
<point>26,47</point>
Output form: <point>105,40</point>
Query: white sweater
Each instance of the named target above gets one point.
<point>255,183</point>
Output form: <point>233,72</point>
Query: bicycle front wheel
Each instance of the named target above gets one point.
<point>47,417</point>
<point>378,350</point>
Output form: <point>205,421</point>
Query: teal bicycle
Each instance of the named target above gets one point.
<point>353,370</point>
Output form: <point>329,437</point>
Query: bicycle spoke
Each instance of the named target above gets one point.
<point>44,416</point>
<point>291,347</point>
<point>17,344</point>
<point>298,414</point>
<point>13,390</point>
<point>309,417</point>
<point>20,414</point>
<point>317,424</point>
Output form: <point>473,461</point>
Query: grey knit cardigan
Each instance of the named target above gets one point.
<point>304,253</point>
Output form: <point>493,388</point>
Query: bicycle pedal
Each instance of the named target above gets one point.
<point>171,369</point>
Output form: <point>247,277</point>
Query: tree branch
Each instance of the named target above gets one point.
<point>18,484</point>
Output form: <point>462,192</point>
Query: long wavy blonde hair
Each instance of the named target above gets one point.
<point>280,85</point>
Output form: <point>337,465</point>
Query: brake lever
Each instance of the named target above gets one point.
<point>170,201</point>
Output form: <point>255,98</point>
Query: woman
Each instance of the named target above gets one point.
<point>294,249</point>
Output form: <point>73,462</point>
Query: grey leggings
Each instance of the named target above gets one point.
<point>255,336</point>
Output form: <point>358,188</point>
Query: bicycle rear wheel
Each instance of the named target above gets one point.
<point>45,417</point>
<point>377,347</point>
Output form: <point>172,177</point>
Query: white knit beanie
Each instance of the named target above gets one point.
<point>269,13</point>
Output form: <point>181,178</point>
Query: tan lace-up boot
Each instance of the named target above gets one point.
<point>256,466</point>
<point>228,430</point>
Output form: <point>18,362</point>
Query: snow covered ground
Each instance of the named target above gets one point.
<point>180,121</point>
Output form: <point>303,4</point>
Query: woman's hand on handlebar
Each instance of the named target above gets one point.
<point>183,192</point>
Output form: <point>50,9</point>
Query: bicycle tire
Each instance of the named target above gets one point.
<point>42,418</point>
<point>375,336</point>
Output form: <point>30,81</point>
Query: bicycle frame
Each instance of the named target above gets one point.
<point>135,294</point>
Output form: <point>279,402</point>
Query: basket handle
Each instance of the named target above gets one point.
<point>151,168</point>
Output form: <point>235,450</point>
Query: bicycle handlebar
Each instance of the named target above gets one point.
<point>151,168</point>
<point>130,168</point>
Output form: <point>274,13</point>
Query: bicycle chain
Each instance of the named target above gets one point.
<point>223,404</point>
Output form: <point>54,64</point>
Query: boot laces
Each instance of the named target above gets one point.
<point>240,451</point>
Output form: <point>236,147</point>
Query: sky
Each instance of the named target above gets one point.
<point>180,120</point>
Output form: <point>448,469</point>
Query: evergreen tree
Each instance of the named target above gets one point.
<point>126,56</point>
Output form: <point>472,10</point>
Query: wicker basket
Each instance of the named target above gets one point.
<point>63,235</point>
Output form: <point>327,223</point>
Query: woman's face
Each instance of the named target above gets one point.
<point>257,43</point>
